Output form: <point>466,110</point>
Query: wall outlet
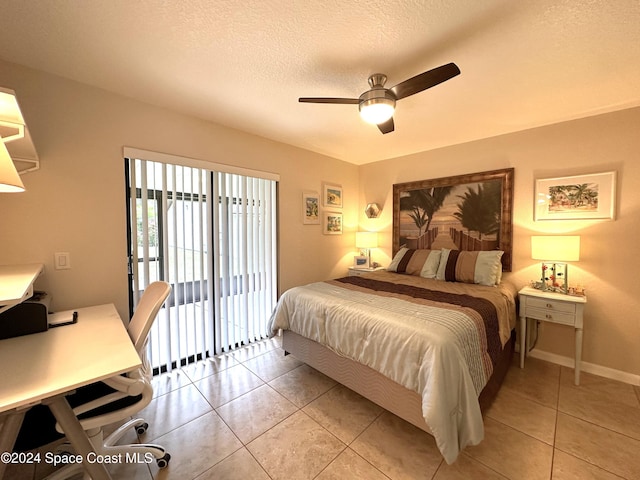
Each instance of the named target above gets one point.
<point>62,260</point>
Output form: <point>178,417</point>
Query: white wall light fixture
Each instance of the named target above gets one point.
<point>9,179</point>
<point>13,132</point>
<point>11,120</point>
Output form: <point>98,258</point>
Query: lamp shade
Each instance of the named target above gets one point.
<point>559,248</point>
<point>366,239</point>
<point>9,179</point>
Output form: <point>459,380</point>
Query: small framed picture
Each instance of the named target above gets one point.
<point>332,195</point>
<point>580,197</point>
<point>332,223</point>
<point>310,208</point>
<point>360,261</point>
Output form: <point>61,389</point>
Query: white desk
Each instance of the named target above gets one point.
<point>16,283</point>
<point>40,367</point>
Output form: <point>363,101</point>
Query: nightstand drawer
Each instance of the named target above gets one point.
<point>549,315</point>
<point>566,307</point>
<point>354,272</point>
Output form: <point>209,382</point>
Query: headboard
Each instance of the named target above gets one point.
<point>465,212</point>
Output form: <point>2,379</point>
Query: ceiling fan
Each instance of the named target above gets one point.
<point>378,104</point>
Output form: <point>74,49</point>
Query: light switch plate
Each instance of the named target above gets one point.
<point>62,260</point>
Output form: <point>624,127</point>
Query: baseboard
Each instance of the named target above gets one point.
<point>587,367</point>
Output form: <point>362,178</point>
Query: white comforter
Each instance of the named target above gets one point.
<point>432,351</point>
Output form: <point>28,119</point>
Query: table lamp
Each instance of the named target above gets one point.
<point>555,252</point>
<point>365,241</point>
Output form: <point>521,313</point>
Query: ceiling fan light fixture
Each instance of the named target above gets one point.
<point>377,105</point>
<point>377,110</point>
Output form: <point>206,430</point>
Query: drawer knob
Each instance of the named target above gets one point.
<point>549,316</point>
<point>549,305</point>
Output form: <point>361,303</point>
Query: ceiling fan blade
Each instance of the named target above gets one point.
<point>425,80</point>
<point>353,101</point>
<point>386,127</point>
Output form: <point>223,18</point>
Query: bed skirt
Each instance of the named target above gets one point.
<point>377,388</point>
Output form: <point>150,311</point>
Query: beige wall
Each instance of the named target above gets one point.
<point>608,265</point>
<point>75,202</point>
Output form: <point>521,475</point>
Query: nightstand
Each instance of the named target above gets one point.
<point>554,308</point>
<point>354,272</point>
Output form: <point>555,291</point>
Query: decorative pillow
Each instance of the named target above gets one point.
<point>444,258</point>
<point>393,266</point>
<point>430,267</point>
<point>416,262</point>
<point>481,267</point>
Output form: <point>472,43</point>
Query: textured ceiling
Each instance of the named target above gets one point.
<point>244,63</point>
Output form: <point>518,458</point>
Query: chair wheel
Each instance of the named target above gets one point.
<point>164,461</point>
<point>141,429</point>
<point>64,449</point>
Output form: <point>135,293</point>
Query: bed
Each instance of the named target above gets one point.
<point>431,338</point>
<point>431,351</point>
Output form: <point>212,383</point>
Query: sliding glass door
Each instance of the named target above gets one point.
<point>212,236</point>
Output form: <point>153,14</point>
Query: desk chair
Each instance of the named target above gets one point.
<point>118,398</point>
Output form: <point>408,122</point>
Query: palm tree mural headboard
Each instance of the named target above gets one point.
<point>465,212</point>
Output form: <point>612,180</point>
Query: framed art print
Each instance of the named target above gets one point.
<point>310,208</point>
<point>579,197</point>
<point>332,223</point>
<point>464,212</point>
<point>332,196</point>
<point>361,261</point>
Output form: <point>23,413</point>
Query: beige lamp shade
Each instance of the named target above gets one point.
<point>366,240</point>
<point>9,179</point>
<point>557,248</point>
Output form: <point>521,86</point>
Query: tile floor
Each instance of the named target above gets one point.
<point>255,414</point>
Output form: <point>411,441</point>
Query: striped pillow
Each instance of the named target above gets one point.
<point>421,262</point>
<point>481,267</point>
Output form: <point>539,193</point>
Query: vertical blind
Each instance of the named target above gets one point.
<point>212,236</point>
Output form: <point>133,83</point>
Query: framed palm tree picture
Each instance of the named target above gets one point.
<point>464,212</point>
<point>580,197</point>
